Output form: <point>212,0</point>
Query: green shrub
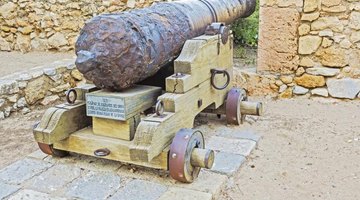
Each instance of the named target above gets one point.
<point>246,30</point>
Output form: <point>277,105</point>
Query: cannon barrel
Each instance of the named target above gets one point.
<point>116,51</point>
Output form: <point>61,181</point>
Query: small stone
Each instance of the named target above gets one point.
<point>57,40</point>
<point>7,111</point>
<point>288,93</point>
<point>310,16</point>
<point>279,83</point>
<point>310,81</point>
<point>50,71</point>
<point>13,98</point>
<point>286,79</point>
<point>309,44</point>
<point>326,33</point>
<point>332,23</point>
<point>77,75</point>
<point>355,20</point>
<point>49,100</point>
<point>320,92</point>
<point>332,57</point>
<point>326,42</point>
<point>355,37</point>
<point>346,88</point>
<point>300,71</point>
<point>304,29</point>
<point>24,77</point>
<point>300,90</point>
<point>8,87</point>
<point>282,88</point>
<point>61,88</point>
<point>2,115</point>
<point>323,71</point>
<point>311,5</point>
<point>37,89</point>
<point>307,62</point>
<point>346,44</point>
<point>2,102</point>
<point>21,103</point>
<point>25,111</point>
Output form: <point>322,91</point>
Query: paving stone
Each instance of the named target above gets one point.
<point>6,190</point>
<point>94,185</point>
<point>185,194</point>
<point>227,163</point>
<point>38,155</point>
<point>139,189</point>
<point>23,170</point>
<point>235,146</point>
<point>33,195</point>
<point>208,182</point>
<point>54,178</point>
<point>243,134</point>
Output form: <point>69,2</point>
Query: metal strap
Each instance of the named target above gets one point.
<point>212,10</point>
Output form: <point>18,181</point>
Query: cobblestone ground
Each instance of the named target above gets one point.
<point>41,177</point>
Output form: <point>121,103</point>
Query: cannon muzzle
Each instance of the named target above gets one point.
<point>116,51</point>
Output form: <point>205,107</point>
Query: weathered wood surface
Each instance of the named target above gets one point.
<point>86,142</point>
<point>59,122</point>
<point>181,106</point>
<point>198,57</point>
<point>124,130</point>
<point>125,104</point>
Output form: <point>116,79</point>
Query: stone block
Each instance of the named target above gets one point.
<point>279,55</point>
<point>310,81</point>
<point>185,194</point>
<point>93,185</point>
<point>6,190</point>
<point>235,146</point>
<point>320,92</point>
<point>300,90</point>
<point>139,189</point>
<point>32,195</point>
<point>346,88</point>
<point>239,134</point>
<point>227,163</point>
<point>208,182</point>
<point>23,170</point>
<point>54,178</point>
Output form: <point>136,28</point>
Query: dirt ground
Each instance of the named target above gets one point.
<point>310,149</point>
<point>11,62</point>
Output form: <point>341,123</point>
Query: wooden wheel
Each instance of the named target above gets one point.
<point>188,156</point>
<point>233,108</point>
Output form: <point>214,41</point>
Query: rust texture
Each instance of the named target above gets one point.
<point>116,51</point>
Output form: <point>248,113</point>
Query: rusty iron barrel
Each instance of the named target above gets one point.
<point>116,51</point>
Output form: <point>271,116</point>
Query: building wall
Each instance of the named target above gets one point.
<point>312,47</point>
<point>39,25</point>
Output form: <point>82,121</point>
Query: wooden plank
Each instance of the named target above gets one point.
<point>195,61</point>
<point>58,123</point>
<point>121,105</point>
<point>124,130</point>
<point>86,142</point>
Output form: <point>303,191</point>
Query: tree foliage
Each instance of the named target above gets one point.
<point>246,30</point>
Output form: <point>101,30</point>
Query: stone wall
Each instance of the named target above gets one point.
<point>309,47</point>
<point>41,85</point>
<point>54,24</point>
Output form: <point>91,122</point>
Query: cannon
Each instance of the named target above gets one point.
<point>120,117</point>
<point>116,51</point>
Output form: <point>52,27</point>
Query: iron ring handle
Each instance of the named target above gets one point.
<point>102,152</point>
<point>68,93</point>
<point>214,72</point>
<point>159,108</point>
